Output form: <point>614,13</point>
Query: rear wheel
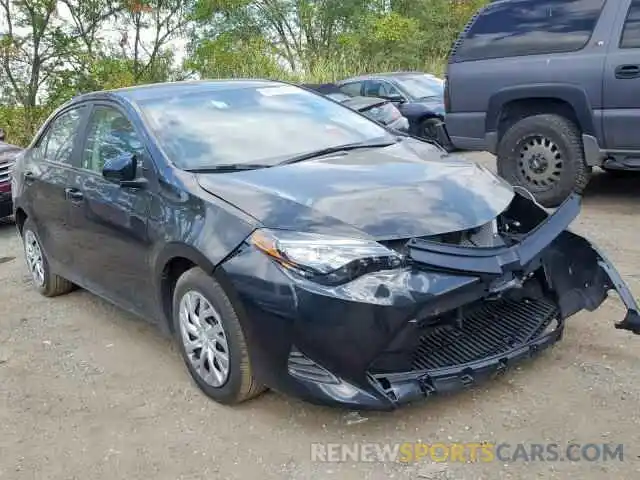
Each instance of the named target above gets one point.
<point>544,154</point>
<point>211,339</point>
<point>46,282</point>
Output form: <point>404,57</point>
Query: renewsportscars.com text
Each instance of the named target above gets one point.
<point>467,452</point>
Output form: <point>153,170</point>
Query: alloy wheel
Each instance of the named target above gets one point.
<point>540,162</point>
<point>35,259</point>
<point>204,338</point>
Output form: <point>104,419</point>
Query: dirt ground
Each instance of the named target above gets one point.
<point>89,392</point>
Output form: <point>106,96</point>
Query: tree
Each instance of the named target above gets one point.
<point>146,29</point>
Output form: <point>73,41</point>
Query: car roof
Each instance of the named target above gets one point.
<point>370,76</point>
<point>163,90</point>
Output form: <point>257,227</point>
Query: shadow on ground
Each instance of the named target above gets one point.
<point>623,188</point>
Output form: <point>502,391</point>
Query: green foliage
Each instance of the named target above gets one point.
<point>52,50</point>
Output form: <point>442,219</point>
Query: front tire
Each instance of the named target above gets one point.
<point>211,339</point>
<point>544,154</point>
<point>46,282</point>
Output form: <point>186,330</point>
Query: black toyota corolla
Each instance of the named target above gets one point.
<point>289,242</point>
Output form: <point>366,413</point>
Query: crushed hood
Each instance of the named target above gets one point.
<point>409,189</point>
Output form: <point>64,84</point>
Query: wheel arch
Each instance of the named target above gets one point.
<point>172,261</point>
<point>510,104</point>
<point>20,217</point>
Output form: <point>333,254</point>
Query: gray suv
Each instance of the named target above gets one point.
<point>552,88</point>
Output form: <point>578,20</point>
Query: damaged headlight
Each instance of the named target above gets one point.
<point>325,259</point>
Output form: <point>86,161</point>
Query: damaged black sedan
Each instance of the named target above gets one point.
<point>288,242</point>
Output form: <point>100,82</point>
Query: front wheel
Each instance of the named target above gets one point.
<point>544,154</point>
<point>431,128</point>
<point>211,339</point>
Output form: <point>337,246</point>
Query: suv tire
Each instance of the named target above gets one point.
<point>225,374</point>
<point>544,154</point>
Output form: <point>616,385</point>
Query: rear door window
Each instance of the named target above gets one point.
<point>631,33</point>
<point>529,27</point>
<point>57,144</point>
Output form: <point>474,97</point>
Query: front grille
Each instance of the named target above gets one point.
<point>493,328</point>
<point>5,172</point>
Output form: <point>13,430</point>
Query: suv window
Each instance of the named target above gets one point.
<point>529,27</point>
<point>109,135</point>
<point>352,89</point>
<point>631,33</point>
<point>57,143</point>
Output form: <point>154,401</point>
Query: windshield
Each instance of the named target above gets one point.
<point>422,86</point>
<point>257,125</point>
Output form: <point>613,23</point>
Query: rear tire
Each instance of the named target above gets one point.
<point>46,282</point>
<point>544,154</point>
<point>211,339</point>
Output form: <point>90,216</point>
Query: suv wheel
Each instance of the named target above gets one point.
<point>46,282</point>
<point>544,154</point>
<point>211,339</point>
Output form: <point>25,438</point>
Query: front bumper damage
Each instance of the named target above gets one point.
<point>576,276</point>
<point>453,317</point>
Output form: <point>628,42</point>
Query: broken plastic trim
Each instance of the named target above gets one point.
<point>525,257</point>
<point>497,260</point>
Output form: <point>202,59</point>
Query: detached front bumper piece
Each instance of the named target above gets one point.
<point>453,317</point>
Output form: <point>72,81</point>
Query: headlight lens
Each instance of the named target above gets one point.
<point>326,259</point>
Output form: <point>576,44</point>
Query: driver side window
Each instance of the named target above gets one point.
<point>110,134</point>
<point>380,88</point>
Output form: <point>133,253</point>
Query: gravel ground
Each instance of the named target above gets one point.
<point>87,391</point>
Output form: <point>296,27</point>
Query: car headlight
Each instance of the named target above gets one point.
<point>323,258</point>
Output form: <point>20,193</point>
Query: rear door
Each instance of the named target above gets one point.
<point>109,221</point>
<point>46,176</point>
<point>621,113</point>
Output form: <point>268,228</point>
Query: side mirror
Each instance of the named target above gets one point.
<point>121,169</point>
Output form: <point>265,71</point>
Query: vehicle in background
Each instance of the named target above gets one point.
<point>287,241</point>
<point>8,153</point>
<point>378,109</point>
<point>551,88</point>
<point>419,97</point>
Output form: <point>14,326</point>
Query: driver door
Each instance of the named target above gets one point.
<point>111,242</point>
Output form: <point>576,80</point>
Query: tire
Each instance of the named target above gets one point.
<point>224,333</point>
<point>428,128</point>
<point>544,154</point>
<point>45,281</point>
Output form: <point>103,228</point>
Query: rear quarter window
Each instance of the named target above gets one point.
<point>528,27</point>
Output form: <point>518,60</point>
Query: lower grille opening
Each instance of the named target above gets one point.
<point>486,329</point>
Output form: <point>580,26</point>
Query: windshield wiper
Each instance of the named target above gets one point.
<point>227,167</point>
<point>339,148</point>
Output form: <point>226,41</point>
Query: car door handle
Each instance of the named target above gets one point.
<point>627,71</point>
<point>73,194</point>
